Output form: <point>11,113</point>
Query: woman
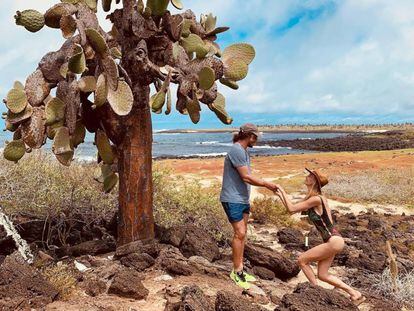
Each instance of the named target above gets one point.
<point>316,207</point>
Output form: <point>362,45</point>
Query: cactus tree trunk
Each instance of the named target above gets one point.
<point>136,221</point>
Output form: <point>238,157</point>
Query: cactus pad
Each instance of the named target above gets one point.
<point>110,182</point>
<point>101,92</point>
<point>219,108</point>
<point>16,100</point>
<point>106,5</point>
<point>78,136</point>
<point>67,26</point>
<point>37,88</point>
<point>242,51</point>
<point>34,130</point>
<point>157,101</point>
<point>87,84</point>
<point>77,63</point>
<point>194,43</point>
<point>55,13</point>
<point>55,111</point>
<point>206,78</point>
<point>231,84</point>
<point>116,53</point>
<point>157,7</point>
<point>61,141</point>
<point>97,41</point>
<point>18,85</point>
<point>235,69</point>
<point>122,99</point>
<point>177,4</point>
<point>111,72</point>
<point>16,118</point>
<point>32,20</point>
<point>14,150</point>
<point>193,108</point>
<point>65,158</point>
<point>104,147</point>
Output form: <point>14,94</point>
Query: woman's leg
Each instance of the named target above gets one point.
<point>316,253</point>
<point>325,276</point>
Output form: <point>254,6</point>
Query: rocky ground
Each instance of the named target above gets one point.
<point>184,269</point>
<point>390,140</point>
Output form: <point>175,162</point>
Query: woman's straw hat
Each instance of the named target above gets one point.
<point>321,179</point>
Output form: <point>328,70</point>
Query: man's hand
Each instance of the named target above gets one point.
<point>271,186</point>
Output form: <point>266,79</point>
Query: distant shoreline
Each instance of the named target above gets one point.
<point>301,129</point>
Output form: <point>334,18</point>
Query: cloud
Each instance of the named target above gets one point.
<point>316,59</point>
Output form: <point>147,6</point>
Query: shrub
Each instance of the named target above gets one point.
<point>62,277</point>
<point>270,210</point>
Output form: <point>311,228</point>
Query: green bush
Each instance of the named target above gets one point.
<point>269,210</point>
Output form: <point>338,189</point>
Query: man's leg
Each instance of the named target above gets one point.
<point>245,220</point>
<point>239,229</point>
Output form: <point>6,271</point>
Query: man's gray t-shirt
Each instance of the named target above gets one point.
<point>234,189</point>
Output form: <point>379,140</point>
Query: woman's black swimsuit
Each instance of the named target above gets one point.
<point>323,223</point>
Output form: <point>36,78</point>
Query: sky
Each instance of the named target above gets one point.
<point>317,61</point>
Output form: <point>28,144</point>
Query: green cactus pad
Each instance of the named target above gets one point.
<point>97,41</point>
<point>71,1</point>
<point>16,100</point>
<point>157,7</point>
<point>14,150</point>
<point>194,43</point>
<point>92,4</point>
<point>16,118</point>
<point>186,27</point>
<point>210,22</point>
<point>235,69</point>
<point>193,109</point>
<point>55,13</point>
<point>157,101</point>
<point>219,108</point>
<point>77,63</point>
<point>68,26</point>
<point>87,84</point>
<point>116,53</point>
<point>122,99</point>
<point>101,92</point>
<point>78,136</point>
<point>217,31</point>
<point>106,5</point>
<point>111,72</point>
<point>104,147</point>
<point>177,4</point>
<point>10,127</point>
<point>242,51</point>
<point>18,85</point>
<point>231,84</point>
<point>61,141</point>
<point>17,134</point>
<point>206,78</point>
<point>169,100</point>
<point>32,20</point>
<point>55,111</point>
<point>110,182</point>
<point>51,129</point>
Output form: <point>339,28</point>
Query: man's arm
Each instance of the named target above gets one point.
<point>254,181</point>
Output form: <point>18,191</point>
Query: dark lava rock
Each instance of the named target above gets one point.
<point>226,301</point>
<point>93,247</point>
<point>127,283</point>
<point>24,285</point>
<point>193,299</point>
<point>192,241</point>
<point>148,246</point>
<point>283,268</point>
<point>308,297</point>
<point>290,235</point>
<point>31,230</point>
<point>95,287</point>
<point>264,273</point>
<point>173,262</point>
<point>138,261</point>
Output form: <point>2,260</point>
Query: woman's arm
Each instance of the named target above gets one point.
<point>296,207</point>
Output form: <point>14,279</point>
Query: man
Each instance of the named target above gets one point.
<point>235,194</point>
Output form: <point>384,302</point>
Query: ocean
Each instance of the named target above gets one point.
<point>193,144</point>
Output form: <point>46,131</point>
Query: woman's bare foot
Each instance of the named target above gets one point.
<point>357,298</point>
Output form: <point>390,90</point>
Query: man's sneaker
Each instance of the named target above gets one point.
<point>240,280</point>
<point>249,277</point>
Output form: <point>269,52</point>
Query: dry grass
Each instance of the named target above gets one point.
<point>271,211</point>
<point>386,186</point>
<point>404,293</point>
<point>62,277</point>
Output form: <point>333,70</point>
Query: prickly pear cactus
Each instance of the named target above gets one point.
<point>100,77</point>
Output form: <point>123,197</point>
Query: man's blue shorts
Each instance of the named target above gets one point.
<point>235,211</point>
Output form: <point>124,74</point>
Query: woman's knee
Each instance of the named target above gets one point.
<point>302,262</point>
<point>323,276</point>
